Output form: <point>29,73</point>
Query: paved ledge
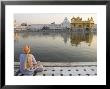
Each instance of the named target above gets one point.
<point>66,69</point>
<point>69,71</point>
<point>64,64</point>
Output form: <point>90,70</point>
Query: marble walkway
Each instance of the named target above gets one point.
<point>67,69</point>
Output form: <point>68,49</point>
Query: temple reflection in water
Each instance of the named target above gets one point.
<point>77,38</point>
<point>16,36</point>
<point>58,46</point>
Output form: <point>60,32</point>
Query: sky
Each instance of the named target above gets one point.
<point>47,18</point>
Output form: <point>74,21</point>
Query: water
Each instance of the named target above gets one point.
<point>58,46</point>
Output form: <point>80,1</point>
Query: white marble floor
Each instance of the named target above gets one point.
<point>68,71</point>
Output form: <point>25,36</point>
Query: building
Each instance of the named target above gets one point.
<point>53,26</point>
<point>36,27</point>
<point>78,23</point>
<point>65,24</point>
<point>19,27</point>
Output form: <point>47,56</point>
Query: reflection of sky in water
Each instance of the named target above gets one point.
<point>62,47</point>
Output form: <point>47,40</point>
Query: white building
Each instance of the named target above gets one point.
<point>65,23</point>
<point>52,26</point>
<point>44,26</point>
<point>35,26</point>
<point>19,27</point>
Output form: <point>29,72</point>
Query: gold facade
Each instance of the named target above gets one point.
<point>79,23</point>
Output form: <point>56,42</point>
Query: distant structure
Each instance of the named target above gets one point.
<point>53,26</point>
<point>78,23</point>
<point>65,23</point>
<point>19,27</point>
<point>23,24</point>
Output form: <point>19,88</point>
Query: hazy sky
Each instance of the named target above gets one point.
<point>49,17</point>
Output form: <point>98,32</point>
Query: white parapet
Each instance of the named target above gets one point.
<point>64,63</point>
